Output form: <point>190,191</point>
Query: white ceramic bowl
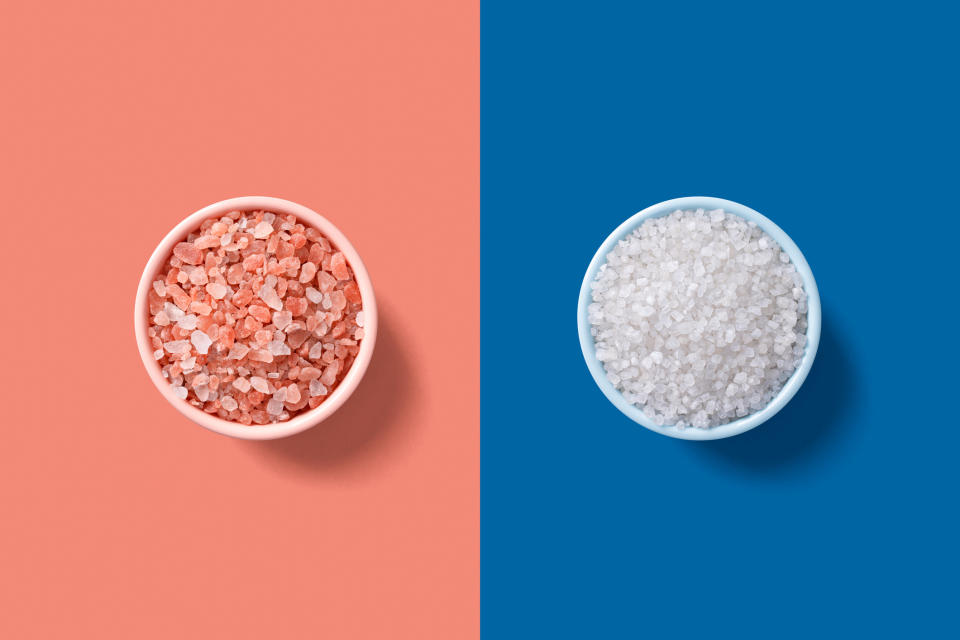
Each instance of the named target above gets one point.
<point>793,383</point>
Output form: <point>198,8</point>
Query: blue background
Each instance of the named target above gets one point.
<point>838,516</point>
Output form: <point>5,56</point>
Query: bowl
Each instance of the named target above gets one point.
<point>786,392</point>
<point>301,421</point>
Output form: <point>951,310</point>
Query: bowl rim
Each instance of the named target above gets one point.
<point>347,385</point>
<point>793,383</point>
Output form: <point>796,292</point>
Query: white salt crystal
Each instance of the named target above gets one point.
<point>201,341</point>
<point>317,389</point>
<point>229,403</point>
<point>242,385</point>
<point>188,322</point>
<point>180,391</point>
<point>316,351</point>
<point>173,311</point>
<point>313,295</point>
<point>275,407</point>
<point>158,354</point>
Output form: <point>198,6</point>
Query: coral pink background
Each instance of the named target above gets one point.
<point>120,518</point>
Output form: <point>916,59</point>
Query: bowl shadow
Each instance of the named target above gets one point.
<point>807,426</point>
<point>376,410</point>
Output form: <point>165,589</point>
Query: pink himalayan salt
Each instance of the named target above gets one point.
<point>272,344</point>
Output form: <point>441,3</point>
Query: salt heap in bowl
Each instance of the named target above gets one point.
<point>255,317</point>
<point>698,318</point>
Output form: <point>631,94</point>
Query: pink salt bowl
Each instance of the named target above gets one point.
<point>299,422</point>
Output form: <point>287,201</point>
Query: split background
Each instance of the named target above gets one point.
<point>121,519</point>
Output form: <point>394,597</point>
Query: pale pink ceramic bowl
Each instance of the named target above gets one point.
<point>304,420</point>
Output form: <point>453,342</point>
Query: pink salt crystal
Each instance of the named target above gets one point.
<point>313,295</point>
<point>216,290</point>
<point>242,385</point>
<point>259,384</point>
<point>262,230</point>
<point>352,293</point>
<point>252,262</point>
<point>338,266</point>
<point>188,253</point>
<point>202,392</point>
<point>214,382</point>
<point>242,297</point>
<point>282,287</point>
<point>179,296</point>
<point>338,300</point>
<point>201,308</point>
<point>291,263</point>
<point>198,276</point>
<point>201,341</point>
<point>160,288</point>
<point>238,351</point>
<point>297,337</point>
<point>200,380</point>
<point>307,272</point>
<point>284,250</point>
<point>235,273</point>
<point>293,394</point>
<point>161,318</point>
<point>219,228</point>
<point>315,352</point>
<point>317,388</point>
<point>270,297</point>
<point>329,374</point>
<point>310,373</point>
<point>259,312</point>
<point>180,392</point>
<point>158,354</point>
<point>206,242</point>
<point>261,355</point>
<point>228,403</point>
<point>297,305</point>
<point>325,281</point>
<point>262,337</point>
<point>281,319</point>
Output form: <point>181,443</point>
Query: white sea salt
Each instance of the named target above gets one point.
<point>698,318</point>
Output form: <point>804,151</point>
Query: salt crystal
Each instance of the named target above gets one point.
<point>274,407</point>
<point>259,384</point>
<point>177,346</point>
<point>201,341</point>
<point>180,392</point>
<point>216,290</point>
<point>262,230</point>
<point>293,394</point>
<point>188,322</point>
<point>242,385</point>
<point>281,319</point>
<point>229,403</point>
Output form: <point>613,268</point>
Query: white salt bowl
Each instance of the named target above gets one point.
<point>788,390</point>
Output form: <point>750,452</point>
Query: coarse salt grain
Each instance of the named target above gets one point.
<point>682,308</point>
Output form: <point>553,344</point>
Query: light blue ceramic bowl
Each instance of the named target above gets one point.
<point>813,319</point>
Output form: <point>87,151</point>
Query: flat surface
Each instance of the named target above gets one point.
<point>837,517</point>
<point>121,519</point>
